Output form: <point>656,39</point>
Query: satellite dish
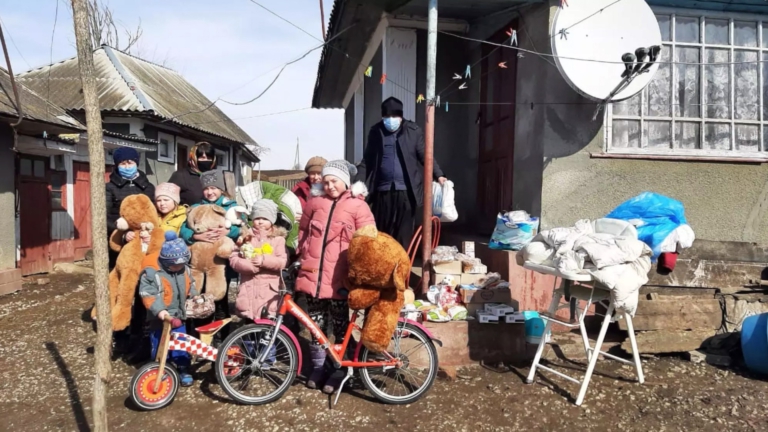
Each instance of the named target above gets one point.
<point>603,30</point>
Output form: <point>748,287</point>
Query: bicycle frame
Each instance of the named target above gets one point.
<point>336,351</point>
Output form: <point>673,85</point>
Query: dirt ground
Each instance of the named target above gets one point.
<point>46,376</point>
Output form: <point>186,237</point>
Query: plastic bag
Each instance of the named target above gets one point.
<point>509,235</point>
<point>654,216</point>
<point>443,254</point>
<point>444,202</point>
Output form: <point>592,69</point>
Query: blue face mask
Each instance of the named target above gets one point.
<point>392,123</point>
<point>127,173</point>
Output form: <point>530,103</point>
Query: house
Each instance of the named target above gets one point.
<point>506,146</point>
<point>143,105</point>
<point>30,187</point>
<point>284,178</point>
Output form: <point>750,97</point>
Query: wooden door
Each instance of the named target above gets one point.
<point>34,216</point>
<point>182,157</point>
<point>497,130</point>
<point>83,241</point>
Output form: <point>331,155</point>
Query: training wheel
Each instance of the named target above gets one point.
<point>143,385</point>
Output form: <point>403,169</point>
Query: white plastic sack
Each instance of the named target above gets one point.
<point>443,202</point>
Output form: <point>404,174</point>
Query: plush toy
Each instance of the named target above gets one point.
<point>209,260</point>
<point>137,214</point>
<point>378,271</point>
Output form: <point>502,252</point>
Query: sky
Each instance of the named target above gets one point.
<point>223,47</point>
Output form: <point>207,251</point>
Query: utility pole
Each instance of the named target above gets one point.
<point>98,217</point>
<point>322,18</point>
<point>429,146</point>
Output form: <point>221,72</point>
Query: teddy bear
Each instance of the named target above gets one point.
<point>137,214</point>
<point>377,279</point>
<point>209,260</point>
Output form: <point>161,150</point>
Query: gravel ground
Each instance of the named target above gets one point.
<point>46,376</point>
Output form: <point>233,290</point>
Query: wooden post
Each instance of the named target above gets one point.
<point>98,217</point>
<point>322,18</point>
<point>429,141</point>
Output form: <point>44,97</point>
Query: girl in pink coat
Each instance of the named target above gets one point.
<point>332,215</point>
<point>259,263</point>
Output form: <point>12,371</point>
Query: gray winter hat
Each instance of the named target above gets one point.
<point>212,178</point>
<point>265,209</point>
<point>341,169</point>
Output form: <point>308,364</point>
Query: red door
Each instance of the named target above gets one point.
<point>34,216</point>
<point>497,131</point>
<point>83,241</point>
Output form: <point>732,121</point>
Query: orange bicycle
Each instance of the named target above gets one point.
<point>269,357</point>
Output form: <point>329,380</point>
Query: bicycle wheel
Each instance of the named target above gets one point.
<point>250,383</point>
<point>143,385</point>
<point>405,384</point>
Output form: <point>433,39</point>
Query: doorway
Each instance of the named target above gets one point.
<point>497,130</point>
<point>34,215</point>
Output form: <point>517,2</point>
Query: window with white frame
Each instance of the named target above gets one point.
<point>166,148</point>
<point>692,108</point>
<point>222,159</point>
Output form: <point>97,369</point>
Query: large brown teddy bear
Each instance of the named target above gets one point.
<point>209,260</point>
<point>378,273</point>
<point>137,214</point>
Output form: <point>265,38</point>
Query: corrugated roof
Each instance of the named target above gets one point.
<point>33,107</point>
<point>130,84</point>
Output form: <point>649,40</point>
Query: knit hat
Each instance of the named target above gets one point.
<point>123,154</point>
<point>392,107</point>
<point>169,190</point>
<point>315,162</point>
<point>265,209</point>
<point>174,250</point>
<point>341,169</point>
<point>212,178</point>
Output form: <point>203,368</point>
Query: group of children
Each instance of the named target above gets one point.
<point>333,212</point>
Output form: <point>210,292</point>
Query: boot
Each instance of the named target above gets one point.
<point>317,354</point>
<point>333,381</point>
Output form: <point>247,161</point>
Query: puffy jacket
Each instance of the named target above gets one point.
<point>160,290</point>
<point>174,220</point>
<point>259,285</point>
<point>189,182</point>
<point>234,232</point>
<point>325,231</point>
<point>118,188</point>
<point>302,190</point>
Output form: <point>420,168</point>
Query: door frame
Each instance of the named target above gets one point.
<point>43,231</point>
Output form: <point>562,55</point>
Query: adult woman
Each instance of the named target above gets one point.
<point>314,170</point>
<point>202,158</point>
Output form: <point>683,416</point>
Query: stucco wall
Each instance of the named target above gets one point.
<point>7,206</point>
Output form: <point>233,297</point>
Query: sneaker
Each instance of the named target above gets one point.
<point>186,378</point>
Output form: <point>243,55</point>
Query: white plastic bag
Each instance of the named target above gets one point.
<point>444,202</point>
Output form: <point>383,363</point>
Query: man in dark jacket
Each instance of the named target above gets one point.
<point>393,169</point>
<point>202,158</point>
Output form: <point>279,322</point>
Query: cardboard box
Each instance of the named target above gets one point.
<point>514,318</point>
<point>469,279</point>
<point>450,267</point>
<point>438,277</point>
<point>468,248</point>
<point>486,318</point>
<point>501,295</point>
<point>475,269</point>
<point>499,309</point>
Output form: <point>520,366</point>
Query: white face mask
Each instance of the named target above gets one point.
<point>392,123</point>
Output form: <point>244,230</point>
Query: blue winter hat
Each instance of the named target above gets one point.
<point>123,154</point>
<point>174,250</point>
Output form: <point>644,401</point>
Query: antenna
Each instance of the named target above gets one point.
<point>297,159</point>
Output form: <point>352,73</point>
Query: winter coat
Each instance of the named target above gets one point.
<point>234,231</point>
<point>259,286</point>
<point>302,190</point>
<point>191,188</point>
<point>325,231</point>
<point>161,290</point>
<point>410,150</point>
<point>118,188</point>
<point>175,219</point>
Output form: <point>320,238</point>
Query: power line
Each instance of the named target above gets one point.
<point>10,36</point>
<point>255,116</point>
<point>286,20</point>
<point>53,34</point>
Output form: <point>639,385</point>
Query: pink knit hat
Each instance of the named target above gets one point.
<point>170,190</point>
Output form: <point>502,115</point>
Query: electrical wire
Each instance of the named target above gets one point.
<point>254,116</point>
<point>53,34</point>
<point>10,36</point>
<point>286,20</point>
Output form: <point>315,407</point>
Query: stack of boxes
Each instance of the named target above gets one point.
<point>497,312</point>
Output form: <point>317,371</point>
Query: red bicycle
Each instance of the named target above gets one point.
<point>268,357</point>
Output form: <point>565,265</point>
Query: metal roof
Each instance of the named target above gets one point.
<point>129,84</point>
<point>33,107</point>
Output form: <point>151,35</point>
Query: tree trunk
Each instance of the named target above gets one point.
<point>98,217</point>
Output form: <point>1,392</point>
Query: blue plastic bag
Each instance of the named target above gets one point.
<point>510,235</point>
<point>655,217</point>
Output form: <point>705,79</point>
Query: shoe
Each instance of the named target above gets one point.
<point>333,382</point>
<point>317,355</point>
<point>185,378</point>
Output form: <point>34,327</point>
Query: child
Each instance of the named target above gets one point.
<point>213,193</point>
<point>331,217</point>
<point>314,170</point>
<point>164,287</point>
<point>172,215</point>
<point>260,262</point>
